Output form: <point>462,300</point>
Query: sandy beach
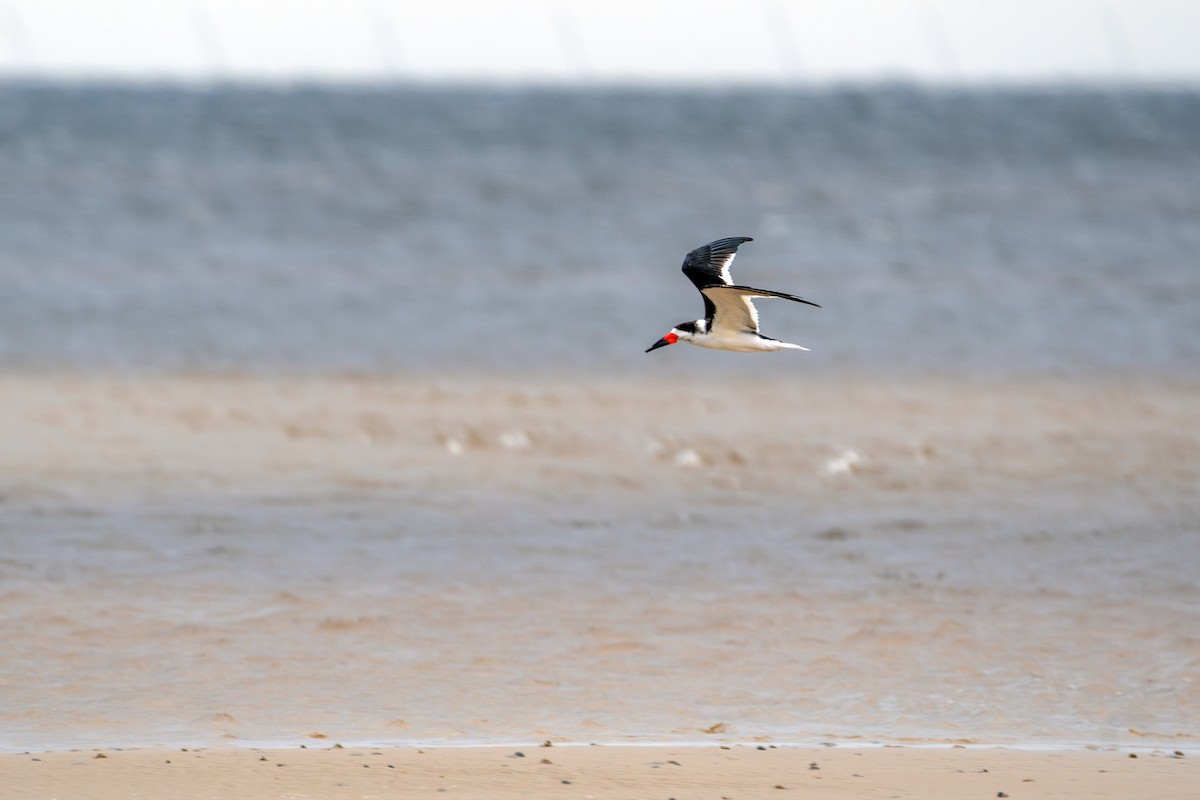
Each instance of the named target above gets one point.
<point>730,772</point>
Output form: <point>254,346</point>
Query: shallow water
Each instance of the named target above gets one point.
<point>199,561</point>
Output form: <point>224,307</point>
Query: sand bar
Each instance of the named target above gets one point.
<point>656,773</point>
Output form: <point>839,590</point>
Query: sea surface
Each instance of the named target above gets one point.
<point>325,416</point>
<point>150,228</point>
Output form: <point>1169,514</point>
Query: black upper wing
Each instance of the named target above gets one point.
<point>708,265</point>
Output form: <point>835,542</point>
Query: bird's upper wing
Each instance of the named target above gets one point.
<point>732,308</point>
<point>708,265</point>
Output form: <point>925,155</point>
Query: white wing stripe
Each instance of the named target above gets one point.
<point>725,268</point>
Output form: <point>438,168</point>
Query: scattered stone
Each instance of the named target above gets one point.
<point>813,765</point>
<point>1133,755</point>
<point>546,761</point>
<point>564,780</point>
<point>99,755</point>
<point>518,754</point>
<point>847,463</point>
<point>1001,794</point>
<point>547,743</point>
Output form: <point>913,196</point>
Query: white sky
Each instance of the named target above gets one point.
<point>605,40</point>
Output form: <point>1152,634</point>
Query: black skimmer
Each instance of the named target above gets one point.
<point>730,319</point>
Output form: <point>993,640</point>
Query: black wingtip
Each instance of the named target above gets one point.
<point>764,293</point>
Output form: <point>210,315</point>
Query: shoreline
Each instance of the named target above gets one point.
<point>1185,745</point>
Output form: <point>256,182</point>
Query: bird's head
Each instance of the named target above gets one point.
<point>680,333</point>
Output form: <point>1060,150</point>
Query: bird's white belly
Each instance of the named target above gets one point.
<point>737,341</point>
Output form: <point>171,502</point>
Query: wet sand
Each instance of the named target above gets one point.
<point>579,772</point>
<point>205,560</point>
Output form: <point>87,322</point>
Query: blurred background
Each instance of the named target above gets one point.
<point>320,186</point>
<point>322,376</point>
<point>647,41</point>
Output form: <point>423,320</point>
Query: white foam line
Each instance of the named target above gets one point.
<point>1166,747</point>
<point>1124,747</point>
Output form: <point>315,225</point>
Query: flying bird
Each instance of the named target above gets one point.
<point>730,320</point>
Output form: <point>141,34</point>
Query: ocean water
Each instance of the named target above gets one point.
<point>436,229</point>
